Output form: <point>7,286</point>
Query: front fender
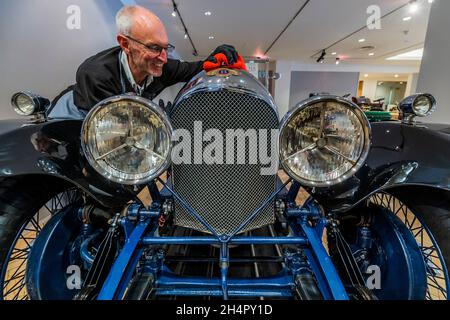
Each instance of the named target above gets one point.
<point>53,148</point>
<point>401,155</point>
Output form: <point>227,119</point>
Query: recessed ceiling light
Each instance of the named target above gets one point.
<point>371,54</point>
<point>207,13</point>
<point>413,7</point>
<point>430,1</point>
<point>174,14</point>
<point>407,18</point>
<point>396,75</point>
<point>334,53</point>
<point>185,36</point>
<point>415,55</point>
<point>362,40</point>
<point>211,37</point>
<point>366,75</point>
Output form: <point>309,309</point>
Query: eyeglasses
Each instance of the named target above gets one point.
<point>154,48</point>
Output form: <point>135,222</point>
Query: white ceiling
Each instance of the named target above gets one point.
<point>251,26</point>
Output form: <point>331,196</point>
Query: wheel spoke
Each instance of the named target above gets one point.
<point>14,285</point>
<point>18,268</point>
<point>18,288</point>
<point>435,266</point>
<point>20,275</point>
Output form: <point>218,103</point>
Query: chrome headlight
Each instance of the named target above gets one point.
<point>27,103</point>
<point>127,139</point>
<point>421,105</point>
<point>324,141</point>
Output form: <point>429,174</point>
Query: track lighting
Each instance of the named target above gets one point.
<point>322,57</point>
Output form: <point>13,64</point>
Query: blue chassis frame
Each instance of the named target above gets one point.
<point>142,234</point>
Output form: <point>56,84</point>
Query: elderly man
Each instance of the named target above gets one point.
<point>140,65</point>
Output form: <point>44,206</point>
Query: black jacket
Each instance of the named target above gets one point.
<point>98,78</point>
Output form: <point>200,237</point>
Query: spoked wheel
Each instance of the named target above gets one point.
<point>400,247</point>
<point>20,225</point>
<point>437,278</point>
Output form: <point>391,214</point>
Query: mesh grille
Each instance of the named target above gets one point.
<point>224,195</point>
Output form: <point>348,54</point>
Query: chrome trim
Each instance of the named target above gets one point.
<point>360,115</point>
<point>243,82</point>
<point>39,102</point>
<point>139,100</point>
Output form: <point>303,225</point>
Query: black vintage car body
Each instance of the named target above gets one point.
<point>383,221</point>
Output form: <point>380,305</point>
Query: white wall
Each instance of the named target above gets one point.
<point>411,87</point>
<point>282,87</point>
<point>370,88</point>
<point>434,76</point>
<point>39,53</point>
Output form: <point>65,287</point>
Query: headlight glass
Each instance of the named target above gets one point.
<point>23,104</point>
<point>422,105</point>
<point>324,141</point>
<point>127,139</point>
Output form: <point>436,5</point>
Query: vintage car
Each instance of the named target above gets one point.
<point>219,197</point>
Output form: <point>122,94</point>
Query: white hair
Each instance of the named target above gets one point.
<point>124,20</point>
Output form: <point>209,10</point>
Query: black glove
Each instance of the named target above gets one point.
<point>229,52</point>
<point>166,107</point>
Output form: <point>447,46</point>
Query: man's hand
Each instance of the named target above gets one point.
<point>227,50</point>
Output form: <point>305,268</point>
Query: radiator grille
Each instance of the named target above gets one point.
<point>223,194</point>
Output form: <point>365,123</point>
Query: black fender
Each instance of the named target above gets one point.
<point>401,155</point>
<point>53,148</point>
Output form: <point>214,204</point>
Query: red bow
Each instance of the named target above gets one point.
<point>222,61</point>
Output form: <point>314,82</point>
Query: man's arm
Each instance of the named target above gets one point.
<point>176,71</point>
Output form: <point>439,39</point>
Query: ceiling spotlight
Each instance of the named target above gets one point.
<point>407,18</point>
<point>334,53</point>
<point>396,76</point>
<point>211,37</point>
<point>174,14</point>
<point>366,75</point>
<point>185,35</point>
<point>430,1</point>
<point>362,40</point>
<point>322,57</point>
<point>413,7</point>
<point>207,13</point>
<point>371,54</point>
<point>338,60</point>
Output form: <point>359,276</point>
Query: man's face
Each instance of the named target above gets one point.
<point>145,59</point>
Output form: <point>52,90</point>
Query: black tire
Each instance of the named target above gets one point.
<point>20,199</point>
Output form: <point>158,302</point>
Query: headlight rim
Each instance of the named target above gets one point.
<point>365,151</point>
<point>144,102</point>
<point>34,99</point>
<point>406,106</point>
